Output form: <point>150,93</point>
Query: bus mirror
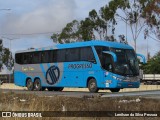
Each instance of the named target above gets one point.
<point>143,59</point>
<point>112,54</point>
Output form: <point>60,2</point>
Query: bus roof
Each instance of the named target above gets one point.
<point>95,43</point>
<point>81,44</point>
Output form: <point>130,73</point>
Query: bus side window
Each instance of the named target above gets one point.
<point>25,57</point>
<point>54,55</point>
<point>61,55</point>
<point>36,57</point>
<point>19,58</point>
<point>30,58</point>
<point>72,55</point>
<point>50,56</point>
<point>86,54</point>
<point>44,57</point>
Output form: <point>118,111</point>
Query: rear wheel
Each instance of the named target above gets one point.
<point>37,85</point>
<point>115,89</point>
<point>92,86</point>
<point>29,85</point>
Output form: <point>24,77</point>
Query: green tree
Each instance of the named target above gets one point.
<point>139,15</point>
<point>107,14</point>
<point>151,14</point>
<point>132,16</point>
<point>5,57</point>
<point>70,33</point>
<point>153,65</point>
<point>95,26</point>
<point>98,25</point>
<point>86,29</point>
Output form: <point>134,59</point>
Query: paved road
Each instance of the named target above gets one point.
<point>53,93</point>
<point>146,94</point>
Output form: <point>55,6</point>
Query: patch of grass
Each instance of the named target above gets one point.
<point>30,102</point>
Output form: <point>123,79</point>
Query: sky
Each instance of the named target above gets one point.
<point>27,17</point>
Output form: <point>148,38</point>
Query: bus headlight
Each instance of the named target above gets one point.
<point>117,78</point>
<point>120,79</point>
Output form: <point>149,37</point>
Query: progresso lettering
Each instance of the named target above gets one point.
<point>80,66</point>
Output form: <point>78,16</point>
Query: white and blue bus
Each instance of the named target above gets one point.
<point>94,64</point>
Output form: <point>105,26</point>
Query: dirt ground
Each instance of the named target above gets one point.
<point>29,102</point>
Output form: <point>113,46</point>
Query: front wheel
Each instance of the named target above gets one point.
<point>115,89</point>
<point>29,85</point>
<point>92,86</point>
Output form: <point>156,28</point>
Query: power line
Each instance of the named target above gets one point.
<point>154,38</point>
<point>27,33</point>
<point>5,9</point>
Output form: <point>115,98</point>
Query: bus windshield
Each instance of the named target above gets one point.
<point>127,63</point>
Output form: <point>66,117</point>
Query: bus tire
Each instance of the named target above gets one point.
<point>92,86</point>
<point>29,85</point>
<point>37,85</point>
<point>115,89</point>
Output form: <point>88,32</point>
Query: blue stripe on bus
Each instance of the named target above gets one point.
<point>43,70</point>
<point>48,65</point>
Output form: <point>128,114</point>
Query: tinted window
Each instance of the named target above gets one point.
<point>36,57</point>
<point>72,55</point>
<point>45,56</point>
<point>60,55</point>
<point>27,58</point>
<point>50,55</point>
<point>100,49</point>
<point>86,54</point>
<point>106,62</point>
<point>18,57</point>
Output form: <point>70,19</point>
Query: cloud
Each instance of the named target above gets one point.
<point>33,42</point>
<point>84,6</point>
<point>49,16</point>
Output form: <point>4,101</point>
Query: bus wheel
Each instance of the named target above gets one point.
<point>29,85</point>
<point>37,85</point>
<point>115,89</point>
<point>92,86</point>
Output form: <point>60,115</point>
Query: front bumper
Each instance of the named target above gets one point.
<point>128,84</point>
